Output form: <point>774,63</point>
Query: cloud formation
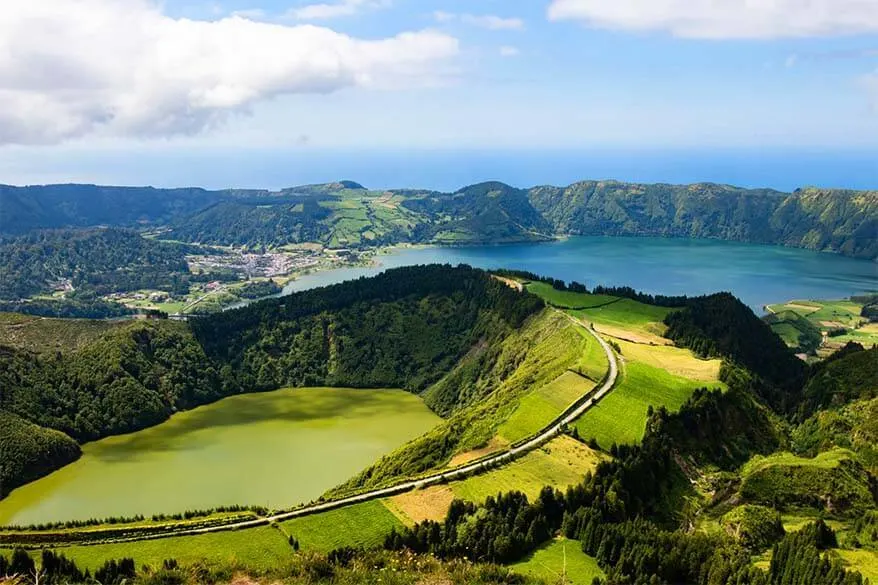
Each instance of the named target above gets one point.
<point>488,21</point>
<point>323,11</point>
<point>509,51</point>
<point>71,68</point>
<point>725,19</point>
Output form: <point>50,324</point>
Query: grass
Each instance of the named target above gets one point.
<point>256,548</point>
<point>613,313</point>
<point>825,460</point>
<point>864,561</point>
<point>567,299</point>
<point>549,563</point>
<point>542,406</point>
<point>674,360</point>
<point>621,416</point>
<point>361,525</point>
<point>560,463</point>
<point>41,335</point>
<point>824,316</point>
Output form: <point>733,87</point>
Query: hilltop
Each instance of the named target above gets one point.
<point>346,214</point>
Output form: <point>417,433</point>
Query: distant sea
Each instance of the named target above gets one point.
<point>448,170</point>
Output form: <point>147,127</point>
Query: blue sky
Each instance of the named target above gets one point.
<point>232,80</point>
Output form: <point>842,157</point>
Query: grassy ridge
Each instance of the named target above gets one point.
<point>833,481</point>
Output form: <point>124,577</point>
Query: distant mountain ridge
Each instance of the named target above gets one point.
<point>347,214</point>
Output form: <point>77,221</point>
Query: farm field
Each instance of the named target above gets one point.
<point>360,525</point>
<point>542,406</point>
<point>621,416</point>
<point>825,317</point>
<point>257,549</point>
<point>549,563</point>
<point>196,459</point>
<point>560,463</point>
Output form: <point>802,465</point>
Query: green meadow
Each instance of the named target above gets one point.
<point>559,559</point>
<point>276,449</point>
<point>257,549</point>
<point>612,312</point>
<point>542,406</point>
<point>361,525</point>
<point>621,416</point>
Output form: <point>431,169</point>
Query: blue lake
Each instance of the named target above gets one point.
<point>757,274</point>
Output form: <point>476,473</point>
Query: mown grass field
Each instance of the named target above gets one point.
<point>549,563</point>
<point>360,525</point>
<point>567,299</point>
<point>256,548</point>
<point>542,406</point>
<point>674,360</point>
<point>621,416</point>
<point>561,463</point>
<point>614,313</point>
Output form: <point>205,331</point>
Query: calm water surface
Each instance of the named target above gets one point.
<point>758,275</point>
<point>275,449</point>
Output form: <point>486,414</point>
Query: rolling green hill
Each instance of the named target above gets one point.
<point>346,214</point>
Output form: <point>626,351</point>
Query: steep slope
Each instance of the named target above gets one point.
<point>405,328</point>
<point>345,214</point>
<point>29,452</point>
<point>820,219</point>
<point>483,213</point>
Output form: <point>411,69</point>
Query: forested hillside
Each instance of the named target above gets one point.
<point>92,262</point>
<point>346,214</point>
<point>404,328</point>
<point>819,219</point>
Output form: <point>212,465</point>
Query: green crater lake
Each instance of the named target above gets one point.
<point>276,449</point>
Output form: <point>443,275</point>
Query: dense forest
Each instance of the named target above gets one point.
<point>92,262</point>
<point>404,328</point>
<point>820,219</point>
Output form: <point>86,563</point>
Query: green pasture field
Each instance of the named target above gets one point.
<point>361,525</point>
<point>258,549</point>
<point>549,563</point>
<point>567,299</point>
<point>560,463</point>
<point>542,406</point>
<point>621,417</point>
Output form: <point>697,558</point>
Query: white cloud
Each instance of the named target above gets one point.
<point>509,51</point>
<point>72,68</point>
<point>488,21</point>
<point>725,19</point>
<point>324,11</point>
